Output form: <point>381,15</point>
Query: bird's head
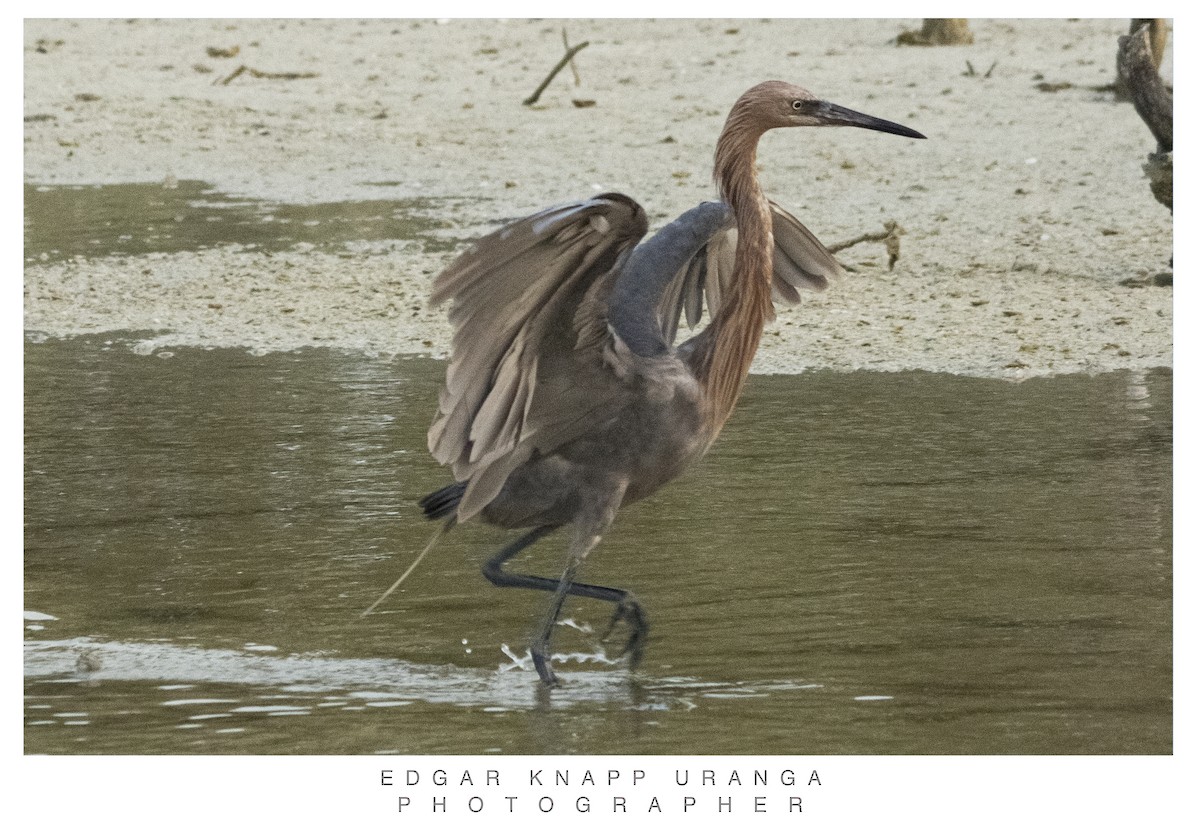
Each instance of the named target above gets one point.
<point>775,104</point>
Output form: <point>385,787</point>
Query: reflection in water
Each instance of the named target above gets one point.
<point>866,563</point>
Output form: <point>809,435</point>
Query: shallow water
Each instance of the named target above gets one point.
<point>138,218</point>
<point>865,563</point>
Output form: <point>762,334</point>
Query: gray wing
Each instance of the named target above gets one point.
<point>801,262</point>
<point>516,300</point>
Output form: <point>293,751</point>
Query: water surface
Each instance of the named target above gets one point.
<point>62,222</point>
<point>865,563</point>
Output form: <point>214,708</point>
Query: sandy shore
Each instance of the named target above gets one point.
<point>1024,211</point>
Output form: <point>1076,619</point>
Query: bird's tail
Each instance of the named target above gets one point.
<point>443,502</point>
<point>442,529</point>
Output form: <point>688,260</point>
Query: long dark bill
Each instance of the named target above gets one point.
<point>835,115</point>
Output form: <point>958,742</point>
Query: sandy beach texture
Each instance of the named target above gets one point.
<point>1024,212</point>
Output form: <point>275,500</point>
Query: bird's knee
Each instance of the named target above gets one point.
<point>493,571</point>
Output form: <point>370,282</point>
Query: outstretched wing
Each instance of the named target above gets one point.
<point>514,298</point>
<point>801,262</point>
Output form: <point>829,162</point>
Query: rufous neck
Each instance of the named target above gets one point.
<point>746,305</point>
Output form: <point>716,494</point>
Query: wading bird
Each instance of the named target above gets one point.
<point>565,397</point>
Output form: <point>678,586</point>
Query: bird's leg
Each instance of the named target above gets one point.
<point>494,571</point>
<point>597,515</point>
<point>630,611</point>
<point>540,648</point>
<point>581,543</point>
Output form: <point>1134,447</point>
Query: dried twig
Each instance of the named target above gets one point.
<point>970,73</point>
<point>244,69</point>
<point>890,236</point>
<point>537,93</point>
<point>567,46</point>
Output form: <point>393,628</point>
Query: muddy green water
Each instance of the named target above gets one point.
<point>134,219</point>
<point>865,563</point>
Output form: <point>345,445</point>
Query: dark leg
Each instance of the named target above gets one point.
<point>540,650</point>
<point>627,610</point>
<point>494,571</point>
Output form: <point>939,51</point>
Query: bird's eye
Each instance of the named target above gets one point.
<point>797,104</point>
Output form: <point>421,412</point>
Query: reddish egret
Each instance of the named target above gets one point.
<point>565,396</point>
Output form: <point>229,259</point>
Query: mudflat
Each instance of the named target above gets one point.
<point>1026,213</point>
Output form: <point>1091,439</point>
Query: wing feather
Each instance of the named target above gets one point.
<point>801,262</point>
<point>693,291</point>
<point>515,298</point>
<point>533,363</point>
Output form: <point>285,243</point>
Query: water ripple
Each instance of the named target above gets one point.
<point>379,682</point>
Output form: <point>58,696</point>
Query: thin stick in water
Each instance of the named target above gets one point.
<point>446,526</point>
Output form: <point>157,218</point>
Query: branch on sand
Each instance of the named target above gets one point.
<point>1158,45</point>
<point>255,73</point>
<point>1155,105</point>
<point>890,236</point>
<point>566,58</point>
